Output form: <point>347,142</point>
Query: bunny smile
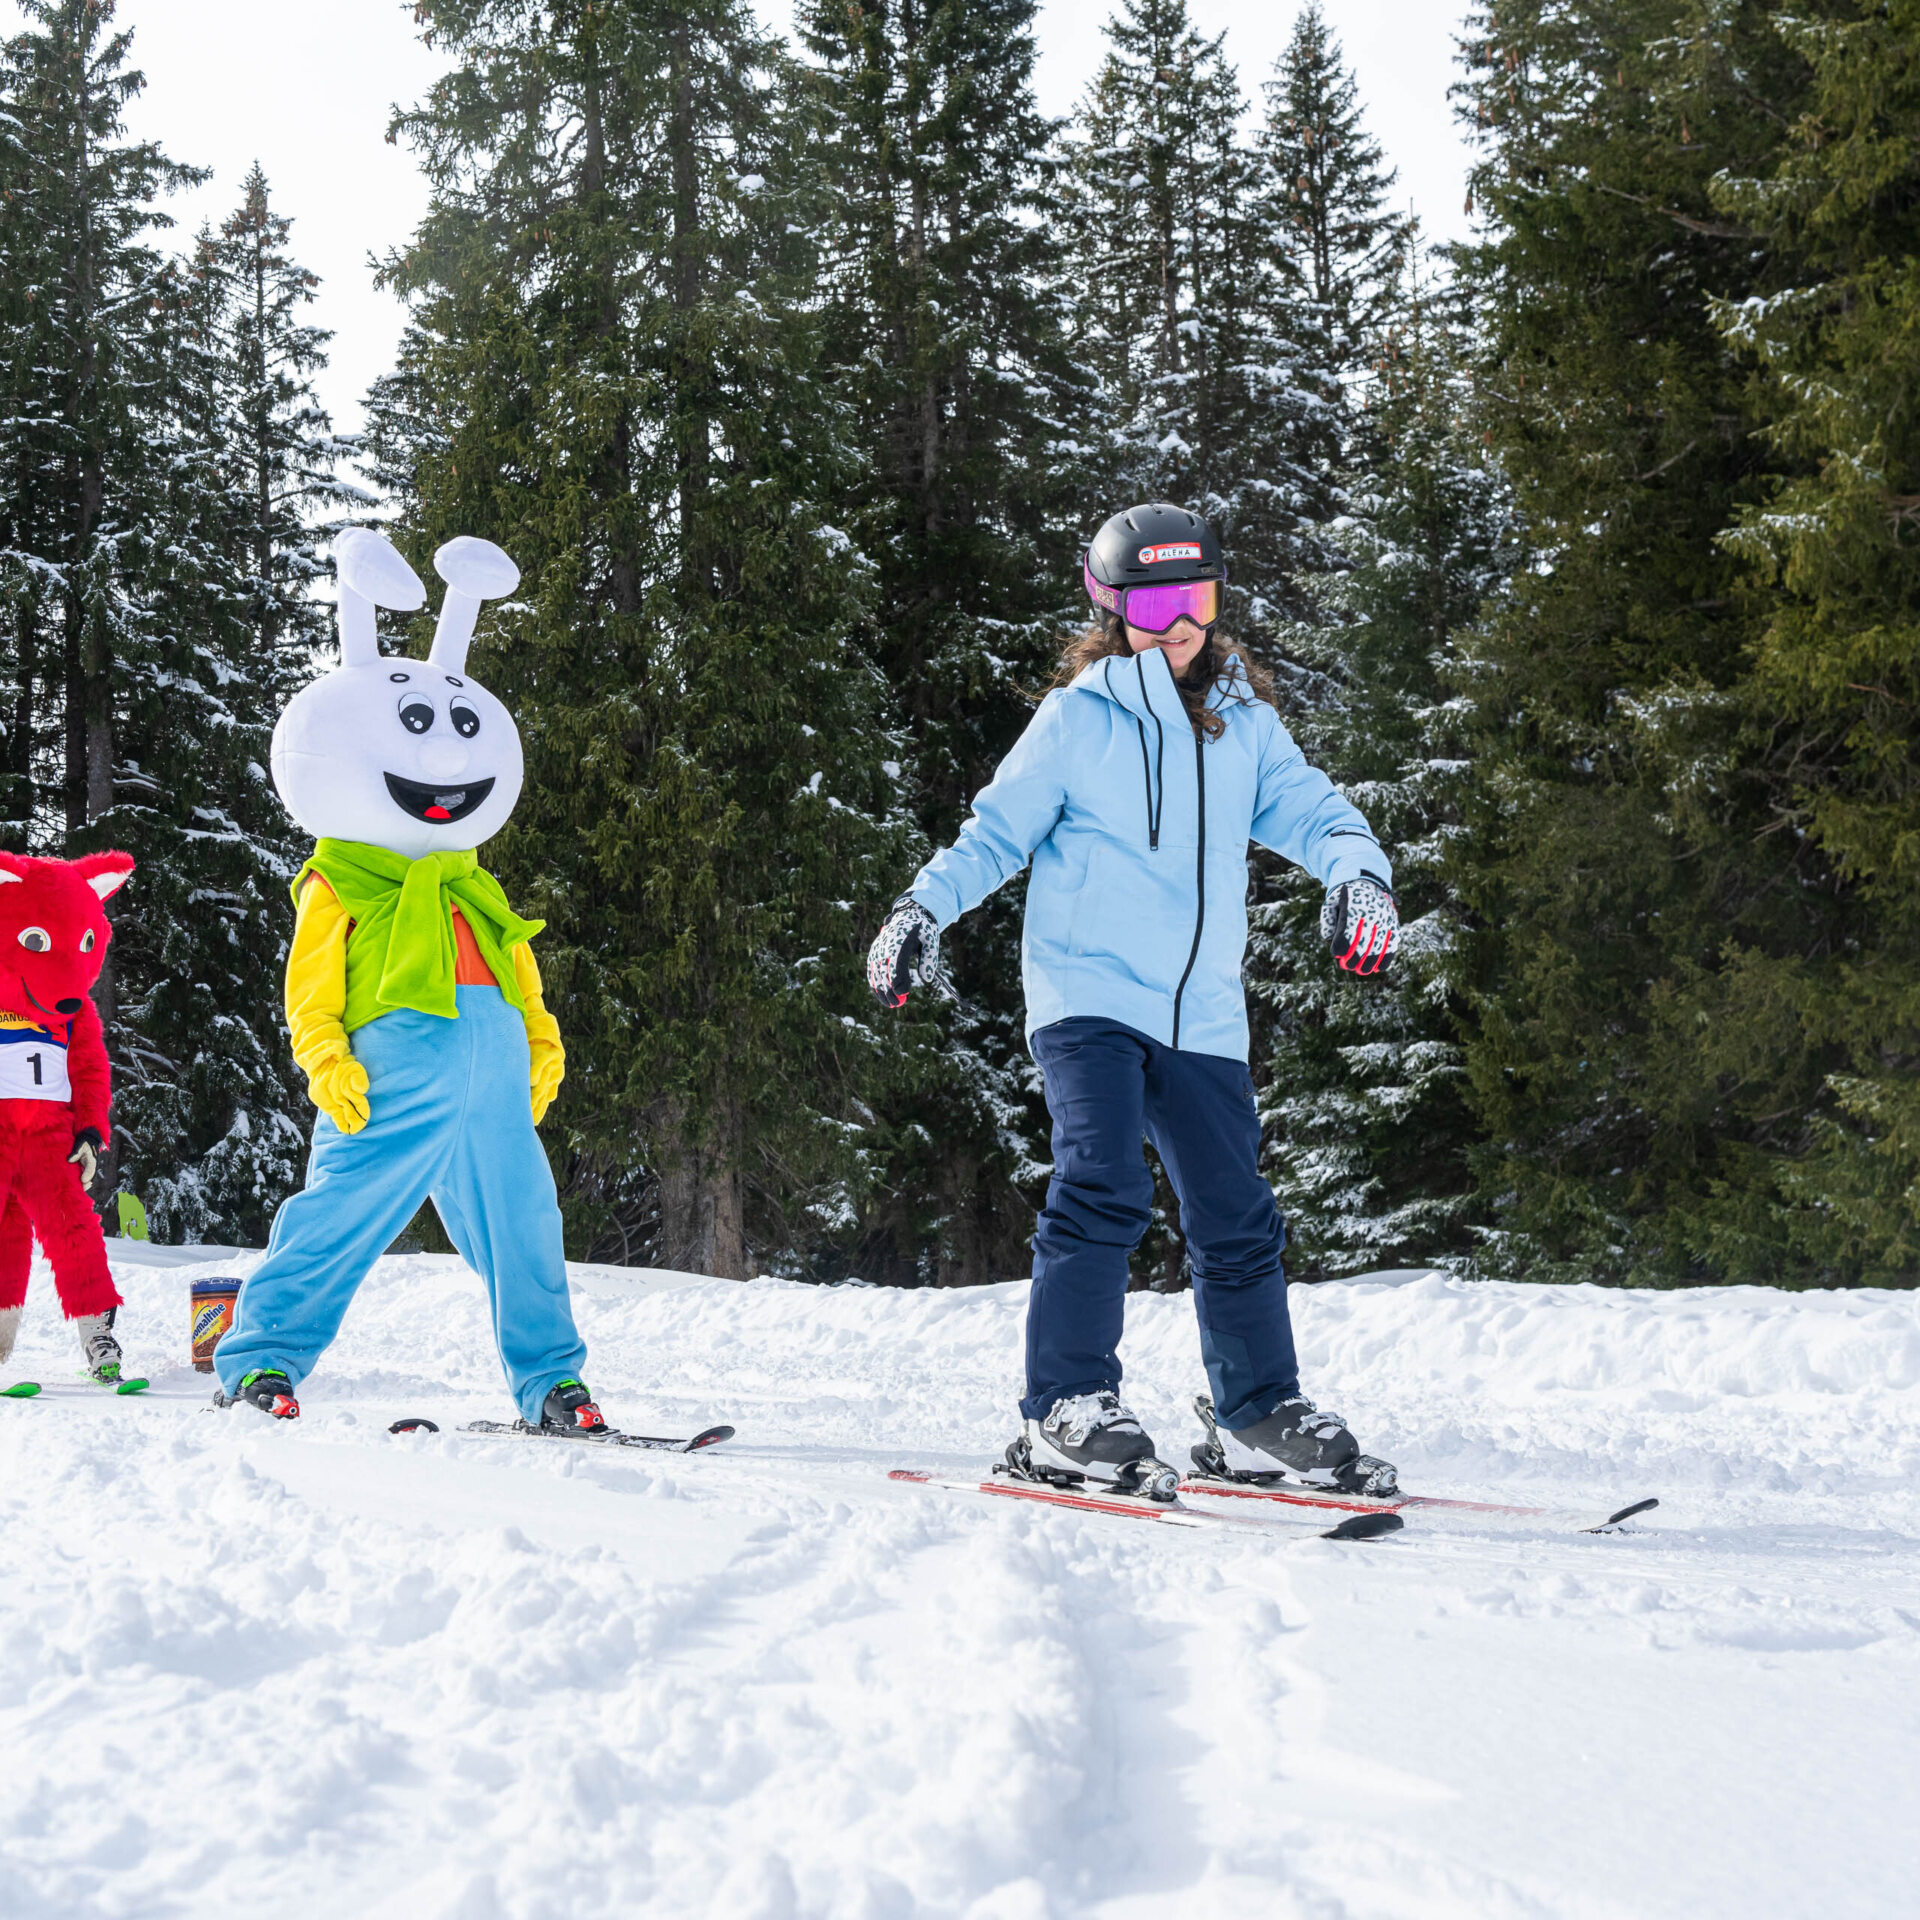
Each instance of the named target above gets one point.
<point>438,805</point>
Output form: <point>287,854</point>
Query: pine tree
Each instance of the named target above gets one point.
<point>87,466</point>
<point>614,370</point>
<point>1831,568</point>
<point>213,1107</point>
<point>1218,380</point>
<point>936,255</point>
<point>141,704</point>
<point>84,359</point>
<point>1356,1088</point>
<point>278,438</point>
<point>1213,398</point>
<point>1344,253</point>
<point>1639,921</point>
<point>1363,1089</point>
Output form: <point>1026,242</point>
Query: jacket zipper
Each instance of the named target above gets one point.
<point>1200,881</point>
<point>1146,766</point>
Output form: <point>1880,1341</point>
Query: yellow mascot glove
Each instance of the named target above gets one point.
<point>339,1090</point>
<point>316,1003</point>
<point>549,1060</point>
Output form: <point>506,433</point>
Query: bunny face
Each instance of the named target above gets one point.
<point>399,754</point>
<point>411,755</point>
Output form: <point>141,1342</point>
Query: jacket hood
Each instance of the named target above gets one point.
<point>1143,684</point>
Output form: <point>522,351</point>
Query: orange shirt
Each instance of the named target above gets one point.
<point>469,970</point>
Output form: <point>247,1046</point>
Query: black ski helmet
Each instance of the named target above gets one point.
<point>1147,545</point>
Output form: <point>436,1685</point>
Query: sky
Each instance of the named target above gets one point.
<point>307,88</point>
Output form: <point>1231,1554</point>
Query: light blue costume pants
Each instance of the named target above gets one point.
<point>451,1118</point>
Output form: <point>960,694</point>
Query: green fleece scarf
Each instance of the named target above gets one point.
<point>400,952</point>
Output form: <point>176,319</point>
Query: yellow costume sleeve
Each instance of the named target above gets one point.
<point>317,1005</point>
<point>543,1032</point>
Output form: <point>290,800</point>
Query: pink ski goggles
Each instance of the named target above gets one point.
<point>1156,608</point>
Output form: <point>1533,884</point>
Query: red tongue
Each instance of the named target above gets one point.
<point>438,813</point>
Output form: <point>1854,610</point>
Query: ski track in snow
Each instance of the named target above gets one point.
<point>318,1670</point>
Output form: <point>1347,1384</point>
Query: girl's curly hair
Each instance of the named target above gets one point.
<point>1241,679</point>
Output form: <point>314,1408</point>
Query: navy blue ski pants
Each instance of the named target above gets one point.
<point>1109,1086</point>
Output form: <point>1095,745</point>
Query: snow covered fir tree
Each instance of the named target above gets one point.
<point>1677,914</point>
<point>945,326</point>
<point>615,370</point>
<point>168,480</point>
<point>1365,1107</point>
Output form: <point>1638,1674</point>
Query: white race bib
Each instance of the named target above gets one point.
<point>33,1065</point>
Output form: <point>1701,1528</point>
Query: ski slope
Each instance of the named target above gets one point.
<point>317,1670</point>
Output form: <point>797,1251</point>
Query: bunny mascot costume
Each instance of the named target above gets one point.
<point>413,1000</point>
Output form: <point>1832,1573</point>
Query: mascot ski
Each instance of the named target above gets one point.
<point>55,1092</point>
<point>413,1000</point>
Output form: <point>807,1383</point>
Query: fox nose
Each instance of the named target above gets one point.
<point>66,1006</point>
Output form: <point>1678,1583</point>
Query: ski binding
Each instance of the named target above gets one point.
<point>602,1437</point>
<point>113,1383</point>
<point>1016,1478</point>
<point>1212,1476</point>
<point>1147,1479</point>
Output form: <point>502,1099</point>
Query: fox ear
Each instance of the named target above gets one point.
<point>105,873</point>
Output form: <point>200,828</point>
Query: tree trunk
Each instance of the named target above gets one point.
<point>703,1225</point>
<point>263,458</point>
<point>961,1255</point>
<point>20,796</point>
<point>690,375</point>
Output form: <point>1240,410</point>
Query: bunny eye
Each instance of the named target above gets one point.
<point>86,941</point>
<point>36,939</point>
<point>416,714</point>
<point>466,723</point>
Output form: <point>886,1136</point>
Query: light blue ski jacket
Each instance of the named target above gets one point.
<point>1138,832</point>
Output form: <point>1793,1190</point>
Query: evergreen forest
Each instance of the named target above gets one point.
<point>795,372</point>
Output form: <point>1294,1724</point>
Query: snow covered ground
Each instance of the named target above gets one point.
<point>319,1670</point>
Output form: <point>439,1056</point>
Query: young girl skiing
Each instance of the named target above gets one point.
<point>1134,792</point>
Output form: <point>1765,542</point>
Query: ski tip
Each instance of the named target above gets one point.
<point>130,1386</point>
<point>908,1473</point>
<point>1365,1526</point>
<point>20,1390</point>
<point>710,1438</point>
<point>1625,1513</point>
<point>413,1426</point>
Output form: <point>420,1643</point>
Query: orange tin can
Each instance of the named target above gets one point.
<point>212,1316</point>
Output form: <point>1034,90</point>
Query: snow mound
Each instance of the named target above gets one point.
<point>454,1678</point>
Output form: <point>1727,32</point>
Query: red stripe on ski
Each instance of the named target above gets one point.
<point>1399,1503</point>
<point>1169,1513</point>
<point>1055,1497</point>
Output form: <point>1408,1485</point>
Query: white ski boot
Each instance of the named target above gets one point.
<point>1091,1437</point>
<point>98,1348</point>
<point>9,1331</point>
<point>1296,1441</point>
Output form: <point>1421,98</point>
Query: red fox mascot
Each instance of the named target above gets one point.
<point>55,1091</point>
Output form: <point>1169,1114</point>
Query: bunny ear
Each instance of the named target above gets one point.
<point>359,641</point>
<point>371,574</point>
<point>474,570</point>
<point>105,873</point>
